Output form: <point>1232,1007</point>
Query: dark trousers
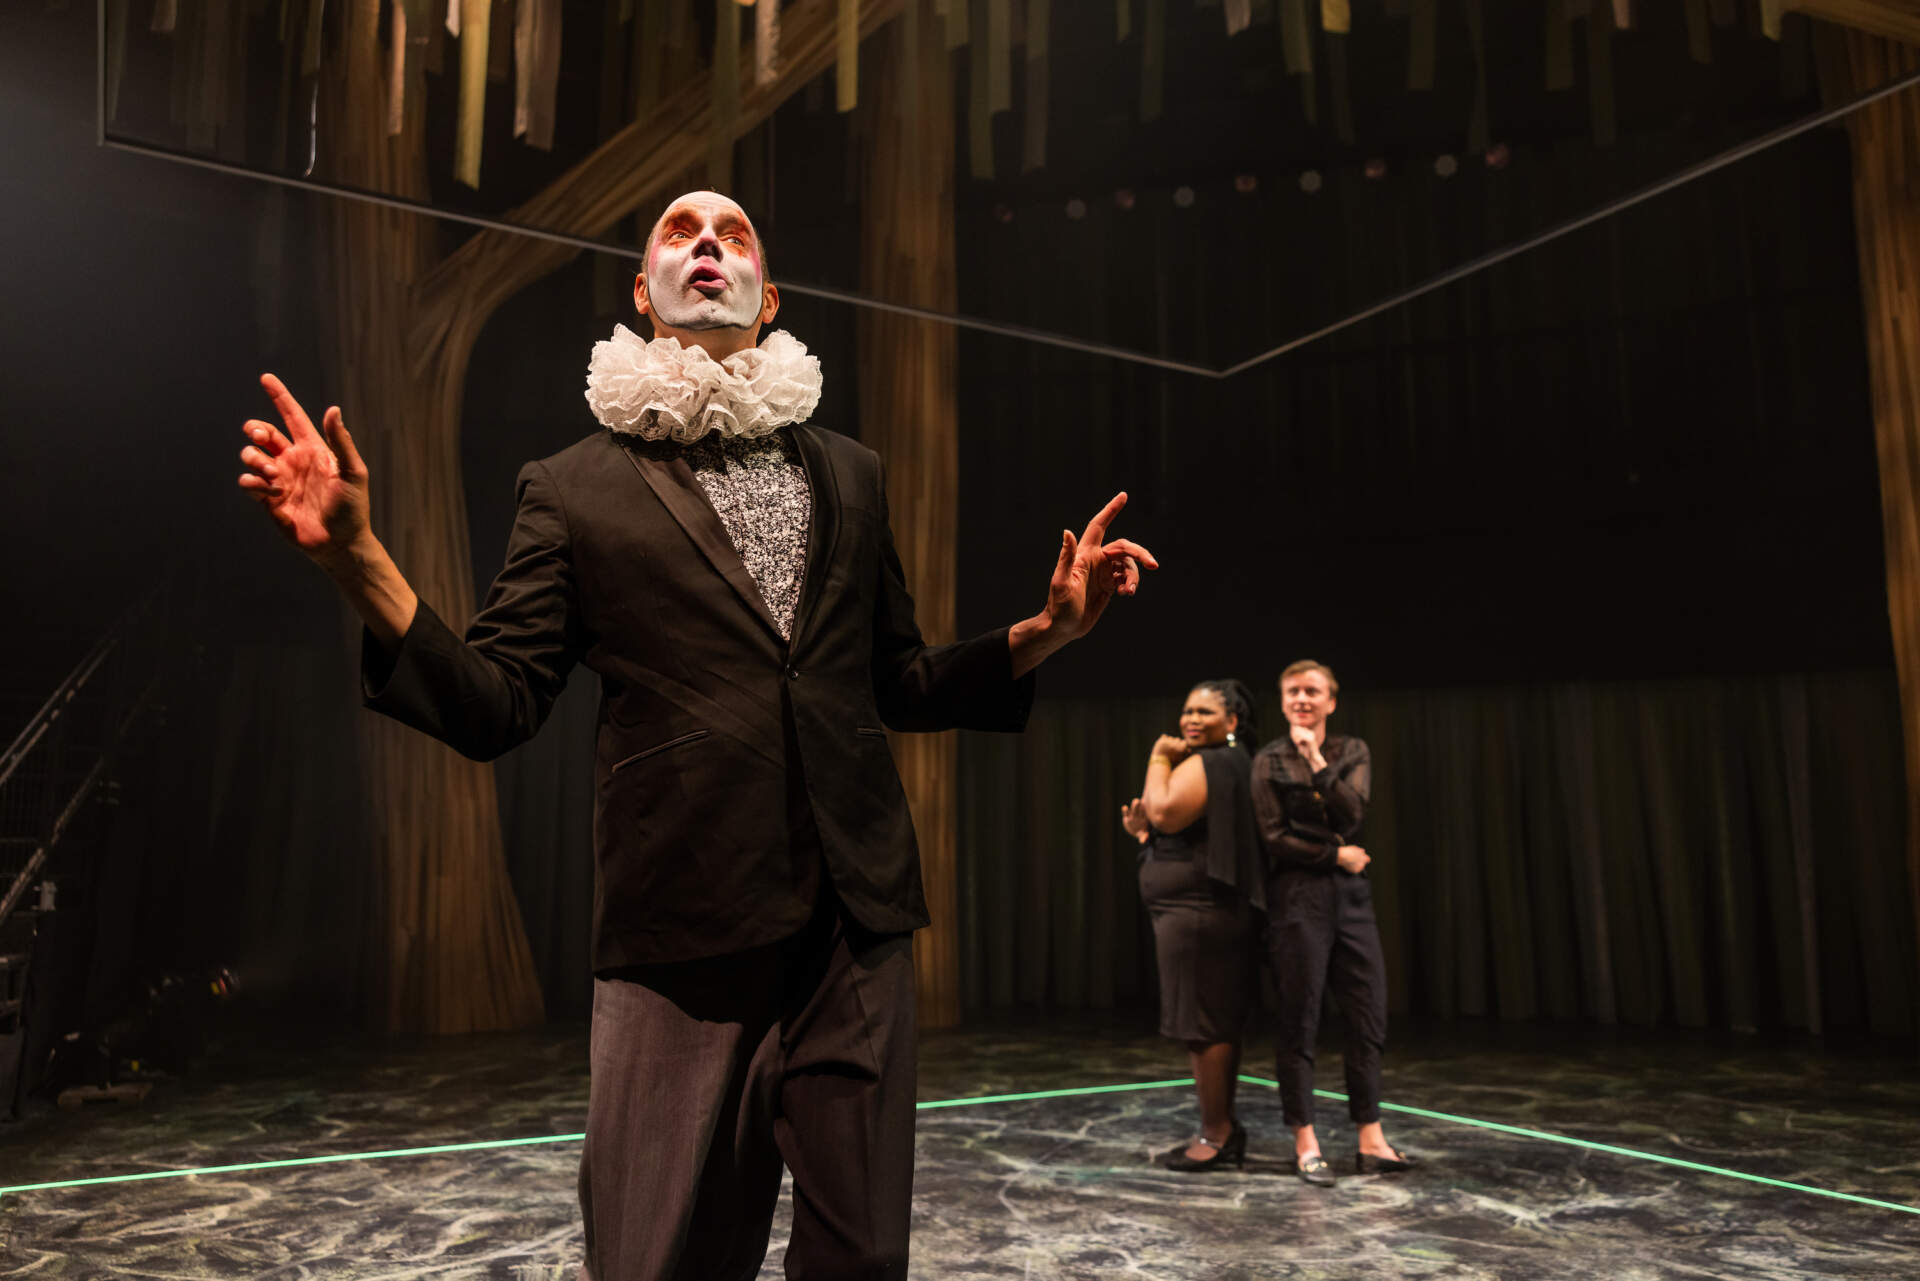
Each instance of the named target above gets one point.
<point>708,1074</point>
<point>1321,934</point>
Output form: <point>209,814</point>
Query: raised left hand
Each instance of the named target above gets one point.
<point>1091,571</point>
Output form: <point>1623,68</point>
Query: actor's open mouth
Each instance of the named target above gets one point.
<point>704,278</point>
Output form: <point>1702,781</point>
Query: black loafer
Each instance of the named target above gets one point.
<point>1233,1152</point>
<point>1315,1170</point>
<point>1368,1163</point>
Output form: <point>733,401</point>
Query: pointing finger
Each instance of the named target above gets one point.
<point>1097,527</point>
<point>299,426</point>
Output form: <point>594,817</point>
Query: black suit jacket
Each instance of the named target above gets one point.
<point>729,764</point>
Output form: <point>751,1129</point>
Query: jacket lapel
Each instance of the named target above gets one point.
<point>823,531</point>
<point>672,481</point>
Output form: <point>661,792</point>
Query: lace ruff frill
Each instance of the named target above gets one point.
<point>660,390</point>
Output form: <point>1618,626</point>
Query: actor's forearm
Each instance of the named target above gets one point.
<point>1031,640</point>
<point>375,587</point>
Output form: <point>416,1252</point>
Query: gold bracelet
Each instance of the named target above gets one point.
<point>1160,758</point>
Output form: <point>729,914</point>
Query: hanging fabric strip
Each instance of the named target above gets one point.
<point>1039,19</point>
<point>453,17</point>
<point>979,113</point>
<point>846,72</point>
<point>1420,36</point>
<point>525,18</point>
<point>1699,31</point>
<point>1239,14</point>
<point>1794,84</point>
<point>679,23</point>
<point>1478,132</point>
<point>1600,73</point>
<point>1337,87</point>
<point>434,56</point>
<point>544,100</point>
<point>726,94</point>
<point>286,20</point>
<point>1336,16</point>
<point>1153,61</point>
<point>476,17</point>
<point>310,42</point>
<point>999,55</point>
<point>166,16</point>
<point>1770,11</point>
<point>116,53</point>
<point>397,72</point>
<point>1725,12</point>
<point>1295,46</point>
<point>766,42</point>
<point>1559,47</point>
<point>959,24</point>
<point>1623,15</point>
<point>500,52</point>
<point>1122,20</point>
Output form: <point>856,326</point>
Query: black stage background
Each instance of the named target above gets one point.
<point>1592,540</point>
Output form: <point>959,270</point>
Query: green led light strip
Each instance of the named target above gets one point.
<point>1500,1127</point>
<point>522,1143</point>
<point>1526,1132</point>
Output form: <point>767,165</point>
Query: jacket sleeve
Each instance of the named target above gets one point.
<point>1347,790</point>
<point>492,691</point>
<point>920,687</point>
<point>1287,844</point>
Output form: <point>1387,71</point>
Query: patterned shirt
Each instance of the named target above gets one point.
<point>1306,816</point>
<point>759,488</point>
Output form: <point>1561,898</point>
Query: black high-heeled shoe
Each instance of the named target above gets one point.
<point>1232,1152</point>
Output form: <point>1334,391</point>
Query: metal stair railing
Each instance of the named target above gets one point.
<point>61,757</point>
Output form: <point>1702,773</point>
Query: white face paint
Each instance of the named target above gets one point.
<point>704,271</point>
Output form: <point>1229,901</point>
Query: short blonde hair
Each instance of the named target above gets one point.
<point>1311,665</point>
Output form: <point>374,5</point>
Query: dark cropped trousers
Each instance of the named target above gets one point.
<point>1321,936</point>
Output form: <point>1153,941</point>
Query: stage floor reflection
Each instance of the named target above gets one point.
<point>1541,1148</point>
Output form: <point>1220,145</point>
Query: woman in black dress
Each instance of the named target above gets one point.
<point>1310,793</point>
<point>1202,880</point>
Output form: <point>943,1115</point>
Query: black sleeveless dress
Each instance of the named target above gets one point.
<point>1205,890</point>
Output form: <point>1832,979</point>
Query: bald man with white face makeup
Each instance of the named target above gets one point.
<point>728,570</point>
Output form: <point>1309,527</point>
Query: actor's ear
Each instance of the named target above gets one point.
<point>769,303</point>
<point>640,303</point>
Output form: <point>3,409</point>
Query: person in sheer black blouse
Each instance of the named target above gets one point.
<point>1310,793</point>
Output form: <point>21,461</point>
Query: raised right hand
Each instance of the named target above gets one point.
<point>313,486</point>
<point>1353,859</point>
<point>1133,818</point>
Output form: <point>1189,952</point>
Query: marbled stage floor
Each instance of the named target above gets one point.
<point>1058,1187</point>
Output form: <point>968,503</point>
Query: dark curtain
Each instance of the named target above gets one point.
<point>1708,852</point>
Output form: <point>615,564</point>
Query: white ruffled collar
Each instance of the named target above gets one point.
<point>660,390</point>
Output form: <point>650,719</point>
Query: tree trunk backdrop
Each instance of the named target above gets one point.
<point>1886,184</point>
<point>909,413</point>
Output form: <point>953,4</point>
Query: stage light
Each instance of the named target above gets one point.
<point>1124,198</point>
<point>1446,166</point>
<point>1246,184</point>
<point>1003,213</point>
<point>1076,209</point>
<point>1376,168</point>
<point>1310,181</point>
<point>1499,156</point>
<point>1183,196</point>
